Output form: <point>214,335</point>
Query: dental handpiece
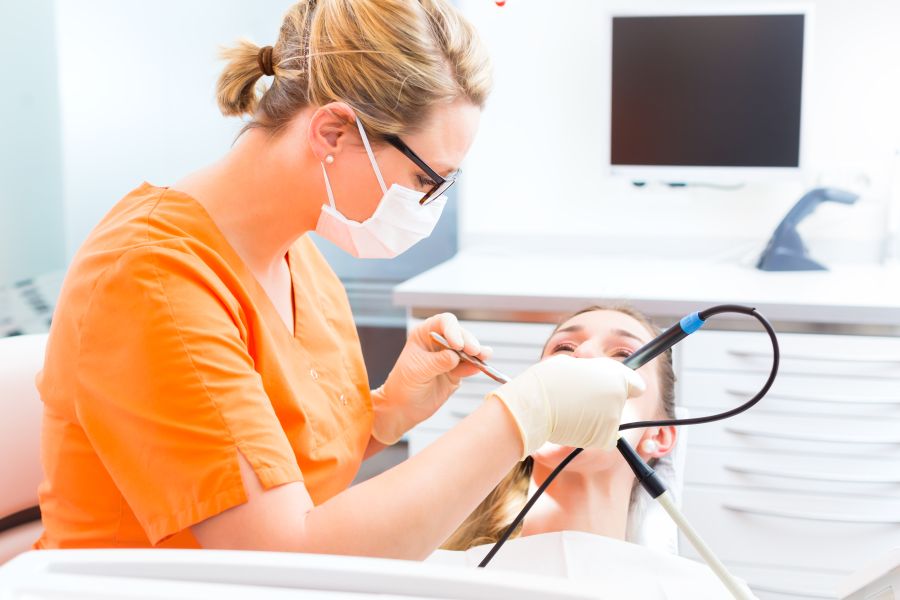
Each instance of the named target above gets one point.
<point>664,341</point>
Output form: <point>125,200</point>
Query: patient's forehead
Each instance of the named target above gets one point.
<point>604,322</point>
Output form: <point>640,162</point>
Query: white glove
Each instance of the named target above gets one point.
<point>571,401</point>
<point>424,377</point>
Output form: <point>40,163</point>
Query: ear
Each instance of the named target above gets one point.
<point>329,129</point>
<point>664,439</point>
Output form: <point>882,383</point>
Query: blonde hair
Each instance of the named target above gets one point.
<point>491,518</point>
<point>390,60</point>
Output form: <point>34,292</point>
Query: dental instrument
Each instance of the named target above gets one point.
<point>474,360</point>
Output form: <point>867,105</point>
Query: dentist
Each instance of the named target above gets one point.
<point>204,384</point>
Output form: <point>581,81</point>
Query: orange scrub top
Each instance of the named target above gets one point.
<point>166,358</point>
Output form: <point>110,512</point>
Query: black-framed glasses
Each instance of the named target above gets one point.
<point>441,184</point>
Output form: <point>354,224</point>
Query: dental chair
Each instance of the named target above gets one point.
<point>21,357</point>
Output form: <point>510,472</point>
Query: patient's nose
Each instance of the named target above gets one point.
<point>588,349</point>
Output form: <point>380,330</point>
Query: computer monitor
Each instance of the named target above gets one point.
<point>708,97</point>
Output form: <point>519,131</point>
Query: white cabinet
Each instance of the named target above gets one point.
<point>748,352</point>
<point>805,487</point>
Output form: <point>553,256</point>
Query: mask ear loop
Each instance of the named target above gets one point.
<point>328,187</point>
<point>365,140</point>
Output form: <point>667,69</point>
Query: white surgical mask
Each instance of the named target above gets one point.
<point>398,223</point>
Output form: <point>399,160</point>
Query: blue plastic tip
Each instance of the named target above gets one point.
<point>691,323</point>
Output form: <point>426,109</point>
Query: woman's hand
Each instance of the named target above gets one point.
<point>570,401</point>
<point>424,377</point>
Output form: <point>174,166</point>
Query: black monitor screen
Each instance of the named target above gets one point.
<point>719,91</point>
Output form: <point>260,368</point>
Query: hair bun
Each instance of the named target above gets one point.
<point>264,59</point>
<point>391,60</point>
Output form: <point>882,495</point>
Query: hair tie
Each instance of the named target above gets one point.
<point>264,59</point>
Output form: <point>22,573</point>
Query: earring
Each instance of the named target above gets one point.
<point>649,446</point>
<point>329,159</point>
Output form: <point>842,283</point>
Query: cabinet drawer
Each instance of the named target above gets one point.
<point>420,438</point>
<point>867,356</point>
<point>510,333</point>
<point>510,368</point>
<point>872,476</point>
<point>452,412</point>
<point>469,396</point>
<point>796,394</point>
<point>789,584</point>
<point>826,435</point>
<point>480,385</point>
<point>510,341</point>
<point>791,530</point>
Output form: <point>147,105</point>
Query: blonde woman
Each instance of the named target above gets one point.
<point>596,490</point>
<point>204,385</point>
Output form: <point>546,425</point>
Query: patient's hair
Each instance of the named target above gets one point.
<point>390,60</point>
<point>488,522</point>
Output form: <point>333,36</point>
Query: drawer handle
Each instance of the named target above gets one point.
<point>827,399</point>
<point>810,438</point>
<point>789,592</point>
<point>810,476</point>
<point>805,516</point>
<point>817,357</point>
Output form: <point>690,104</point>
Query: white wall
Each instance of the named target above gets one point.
<point>137,81</point>
<point>31,220</point>
<point>539,163</point>
<point>137,87</point>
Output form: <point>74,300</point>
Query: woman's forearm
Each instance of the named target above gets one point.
<point>409,510</point>
<point>405,512</point>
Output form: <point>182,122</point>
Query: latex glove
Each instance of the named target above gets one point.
<point>570,401</point>
<point>424,376</point>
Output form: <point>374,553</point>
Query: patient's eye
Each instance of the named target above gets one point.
<point>564,347</point>
<point>622,353</point>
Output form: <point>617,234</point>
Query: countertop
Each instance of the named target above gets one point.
<point>541,286</point>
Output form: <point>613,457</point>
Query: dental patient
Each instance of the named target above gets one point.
<point>597,492</point>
